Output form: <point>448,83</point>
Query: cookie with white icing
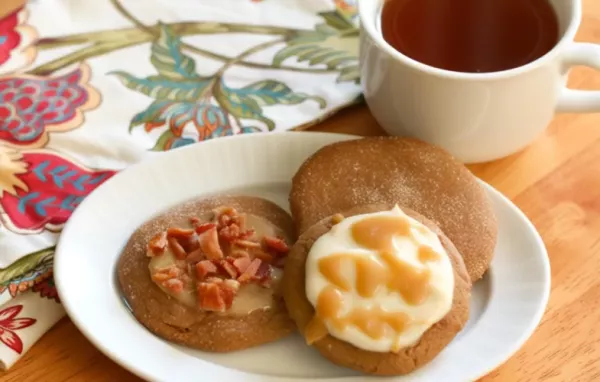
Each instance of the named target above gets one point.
<point>382,291</point>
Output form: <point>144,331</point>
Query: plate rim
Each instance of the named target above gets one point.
<point>534,320</point>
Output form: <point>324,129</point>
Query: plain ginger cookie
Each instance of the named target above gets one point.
<point>403,360</point>
<point>391,170</point>
<point>207,273</point>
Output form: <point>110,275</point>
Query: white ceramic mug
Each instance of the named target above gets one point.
<point>477,117</point>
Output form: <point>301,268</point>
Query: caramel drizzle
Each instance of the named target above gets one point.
<point>377,233</point>
<point>372,273</point>
<point>374,322</point>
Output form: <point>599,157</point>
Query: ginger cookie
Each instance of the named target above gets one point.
<point>405,171</point>
<point>380,290</point>
<point>207,273</point>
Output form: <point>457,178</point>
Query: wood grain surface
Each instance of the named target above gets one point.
<point>556,182</point>
<point>9,6</point>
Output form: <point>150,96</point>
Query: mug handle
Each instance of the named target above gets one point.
<point>580,101</point>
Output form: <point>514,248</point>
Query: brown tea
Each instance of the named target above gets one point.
<point>471,35</point>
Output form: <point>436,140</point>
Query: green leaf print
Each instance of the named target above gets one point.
<point>185,101</point>
<point>336,20</point>
<point>163,141</point>
<point>153,114</point>
<point>168,59</point>
<point>350,73</point>
<point>177,79</point>
<point>25,264</point>
<point>240,106</point>
<point>271,92</point>
<point>315,55</point>
<point>164,89</point>
<point>333,44</point>
<point>247,102</point>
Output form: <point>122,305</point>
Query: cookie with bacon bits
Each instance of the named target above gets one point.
<point>207,274</point>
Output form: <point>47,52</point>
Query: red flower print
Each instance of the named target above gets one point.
<point>17,42</point>
<point>40,189</point>
<point>33,106</point>
<point>9,324</point>
<point>9,37</point>
<point>22,284</point>
<point>47,289</point>
<point>41,270</point>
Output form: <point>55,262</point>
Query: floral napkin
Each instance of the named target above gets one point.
<point>89,87</point>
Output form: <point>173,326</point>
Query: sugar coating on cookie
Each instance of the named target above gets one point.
<point>378,281</point>
<point>390,170</point>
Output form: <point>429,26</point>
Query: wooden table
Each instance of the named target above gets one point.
<point>556,182</point>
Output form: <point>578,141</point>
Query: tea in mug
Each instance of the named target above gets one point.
<point>475,36</point>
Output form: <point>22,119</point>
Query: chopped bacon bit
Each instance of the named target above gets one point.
<point>239,220</point>
<point>167,273</point>
<point>264,270</point>
<point>160,277</point>
<point>247,244</point>
<point>174,285</point>
<point>194,220</point>
<point>265,257</point>
<point>230,233</point>
<point>172,271</point>
<point>158,244</point>
<point>231,284</point>
<point>209,243</point>
<point>227,294</point>
<point>337,219</point>
<point>224,220</point>
<point>279,262</point>
<point>250,272</point>
<point>276,244</point>
<point>246,234</point>
<point>203,227</point>
<point>190,244</point>
<point>195,256</point>
<point>236,253</point>
<point>176,248</point>
<point>204,268</point>
<point>217,295</point>
<point>180,233</point>
<point>226,216</point>
<point>242,263</point>
<point>229,268</point>
<point>209,297</point>
<point>186,279</point>
<point>263,275</point>
<point>225,210</point>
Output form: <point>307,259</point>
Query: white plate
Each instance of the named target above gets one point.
<point>506,305</point>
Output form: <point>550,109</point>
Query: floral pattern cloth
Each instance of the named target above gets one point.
<point>87,89</point>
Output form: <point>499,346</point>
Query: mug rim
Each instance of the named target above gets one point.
<point>368,26</point>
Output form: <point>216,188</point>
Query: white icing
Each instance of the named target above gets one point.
<point>434,308</point>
